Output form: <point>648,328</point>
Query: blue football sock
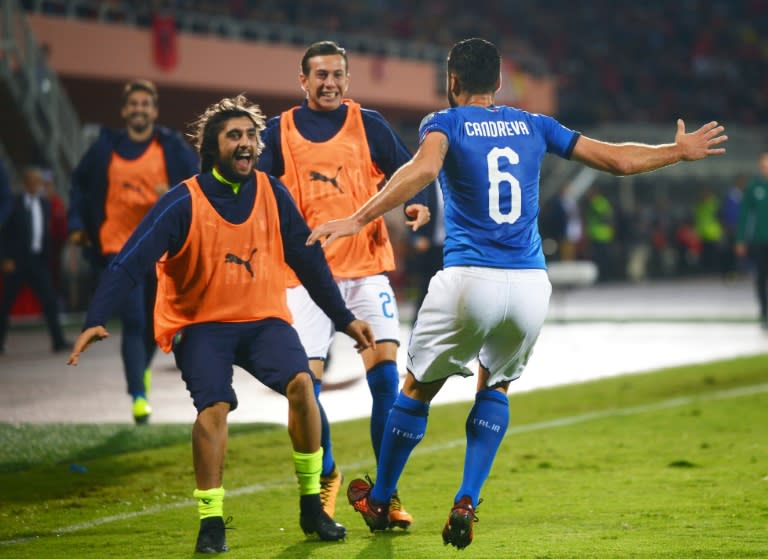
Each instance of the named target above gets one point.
<point>325,435</point>
<point>405,428</point>
<point>382,381</point>
<point>486,425</point>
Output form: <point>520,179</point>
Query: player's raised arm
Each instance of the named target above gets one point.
<point>404,184</point>
<point>631,158</point>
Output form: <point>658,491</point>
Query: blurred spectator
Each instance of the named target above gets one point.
<point>634,235</point>
<point>6,199</point>
<point>565,224</point>
<point>688,246</point>
<point>752,233</point>
<point>660,248</point>
<point>709,231</point>
<point>601,232</point>
<point>730,206</point>
<point>26,237</point>
<point>58,224</point>
<point>662,258</point>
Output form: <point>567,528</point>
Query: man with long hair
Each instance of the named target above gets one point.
<point>221,240</point>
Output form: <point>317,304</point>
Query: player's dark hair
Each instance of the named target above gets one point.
<point>206,129</point>
<point>140,85</point>
<point>322,48</point>
<point>476,63</point>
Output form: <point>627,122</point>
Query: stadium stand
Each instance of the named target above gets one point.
<point>615,61</point>
<point>623,70</point>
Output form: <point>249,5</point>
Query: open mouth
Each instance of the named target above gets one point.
<point>243,163</point>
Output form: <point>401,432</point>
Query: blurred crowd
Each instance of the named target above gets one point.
<point>658,237</point>
<point>614,61</point>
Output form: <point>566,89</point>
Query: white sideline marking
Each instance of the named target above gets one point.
<point>561,422</point>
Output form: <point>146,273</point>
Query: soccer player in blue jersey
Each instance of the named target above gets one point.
<point>333,155</point>
<point>491,299</point>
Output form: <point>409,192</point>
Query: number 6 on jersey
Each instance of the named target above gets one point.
<point>495,177</point>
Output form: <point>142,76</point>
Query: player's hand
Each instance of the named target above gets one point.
<point>701,143</point>
<point>740,249</point>
<point>362,333</point>
<point>333,230</point>
<point>86,338</point>
<point>8,266</point>
<point>419,214</point>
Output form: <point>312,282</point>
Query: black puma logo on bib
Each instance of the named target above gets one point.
<point>234,259</point>
<point>315,176</point>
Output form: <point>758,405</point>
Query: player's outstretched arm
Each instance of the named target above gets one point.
<point>86,338</point>
<point>632,158</point>
<point>362,333</point>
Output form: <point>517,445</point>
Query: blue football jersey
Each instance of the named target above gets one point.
<point>490,182</point>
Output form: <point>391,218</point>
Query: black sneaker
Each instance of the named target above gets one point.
<point>211,538</point>
<point>314,520</point>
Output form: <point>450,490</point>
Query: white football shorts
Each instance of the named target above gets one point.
<point>491,314</point>
<point>370,299</point>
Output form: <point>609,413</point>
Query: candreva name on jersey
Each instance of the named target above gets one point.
<point>496,128</point>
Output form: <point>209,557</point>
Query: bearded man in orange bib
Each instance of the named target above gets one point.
<point>222,241</point>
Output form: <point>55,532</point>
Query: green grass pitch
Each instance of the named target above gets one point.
<point>669,464</point>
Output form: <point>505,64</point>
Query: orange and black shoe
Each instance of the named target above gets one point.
<point>376,516</point>
<point>329,489</point>
<point>459,528</point>
<point>398,516</point>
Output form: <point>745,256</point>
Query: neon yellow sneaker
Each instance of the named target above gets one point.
<point>141,410</point>
<point>147,381</point>
<point>329,488</point>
